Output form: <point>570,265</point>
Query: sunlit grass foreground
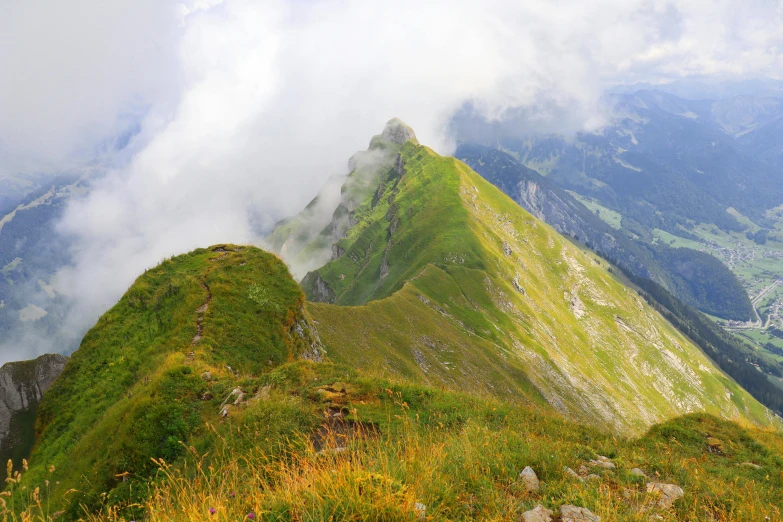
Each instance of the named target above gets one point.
<point>468,469</point>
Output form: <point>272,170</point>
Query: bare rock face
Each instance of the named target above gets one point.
<point>321,292</point>
<point>22,384</point>
<point>397,132</point>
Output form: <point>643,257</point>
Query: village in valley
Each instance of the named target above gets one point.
<point>758,263</point>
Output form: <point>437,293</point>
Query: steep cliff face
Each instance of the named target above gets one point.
<point>22,385</point>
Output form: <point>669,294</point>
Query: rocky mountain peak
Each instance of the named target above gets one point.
<point>397,131</point>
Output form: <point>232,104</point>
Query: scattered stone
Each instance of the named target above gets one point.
<point>537,514</point>
<point>668,493</point>
<point>638,472</point>
<point>593,476</point>
<point>206,396</point>
<point>530,479</point>
<point>655,516</point>
<point>569,513</point>
<point>224,411</point>
<point>420,510</point>
<point>750,465</point>
<point>207,376</point>
<point>507,249</point>
<point>583,471</point>
<point>606,464</point>
<point>573,473</point>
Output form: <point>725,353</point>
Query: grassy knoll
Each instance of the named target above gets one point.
<point>134,388</point>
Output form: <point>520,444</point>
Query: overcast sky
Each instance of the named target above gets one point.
<point>244,108</point>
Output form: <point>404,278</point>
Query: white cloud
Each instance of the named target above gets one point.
<point>74,74</point>
<point>247,107</point>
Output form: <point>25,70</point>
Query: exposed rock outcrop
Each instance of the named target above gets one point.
<point>530,479</point>
<point>397,131</point>
<point>602,462</point>
<point>537,514</point>
<point>22,384</point>
<point>313,348</point>
<point>667,493</point>
<point>321,291</point>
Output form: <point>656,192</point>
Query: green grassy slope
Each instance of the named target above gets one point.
<point>469,340</point>
<point>458,454</point>
<point>475,278</point>
<point>134,389</point>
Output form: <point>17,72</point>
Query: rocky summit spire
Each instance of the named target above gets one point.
<point>397,131</point>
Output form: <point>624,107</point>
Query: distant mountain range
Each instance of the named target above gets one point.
<point>32,309</point>
<point>664,163</point>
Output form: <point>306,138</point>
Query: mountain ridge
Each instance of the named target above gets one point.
<point>470,256</point>
<point>469,340</point>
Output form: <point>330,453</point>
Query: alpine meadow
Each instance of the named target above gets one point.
<point>551,290</point>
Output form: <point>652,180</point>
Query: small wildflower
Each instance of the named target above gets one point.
<point>251,515</point>
<point>212,511</point>
<point>232,494</point>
